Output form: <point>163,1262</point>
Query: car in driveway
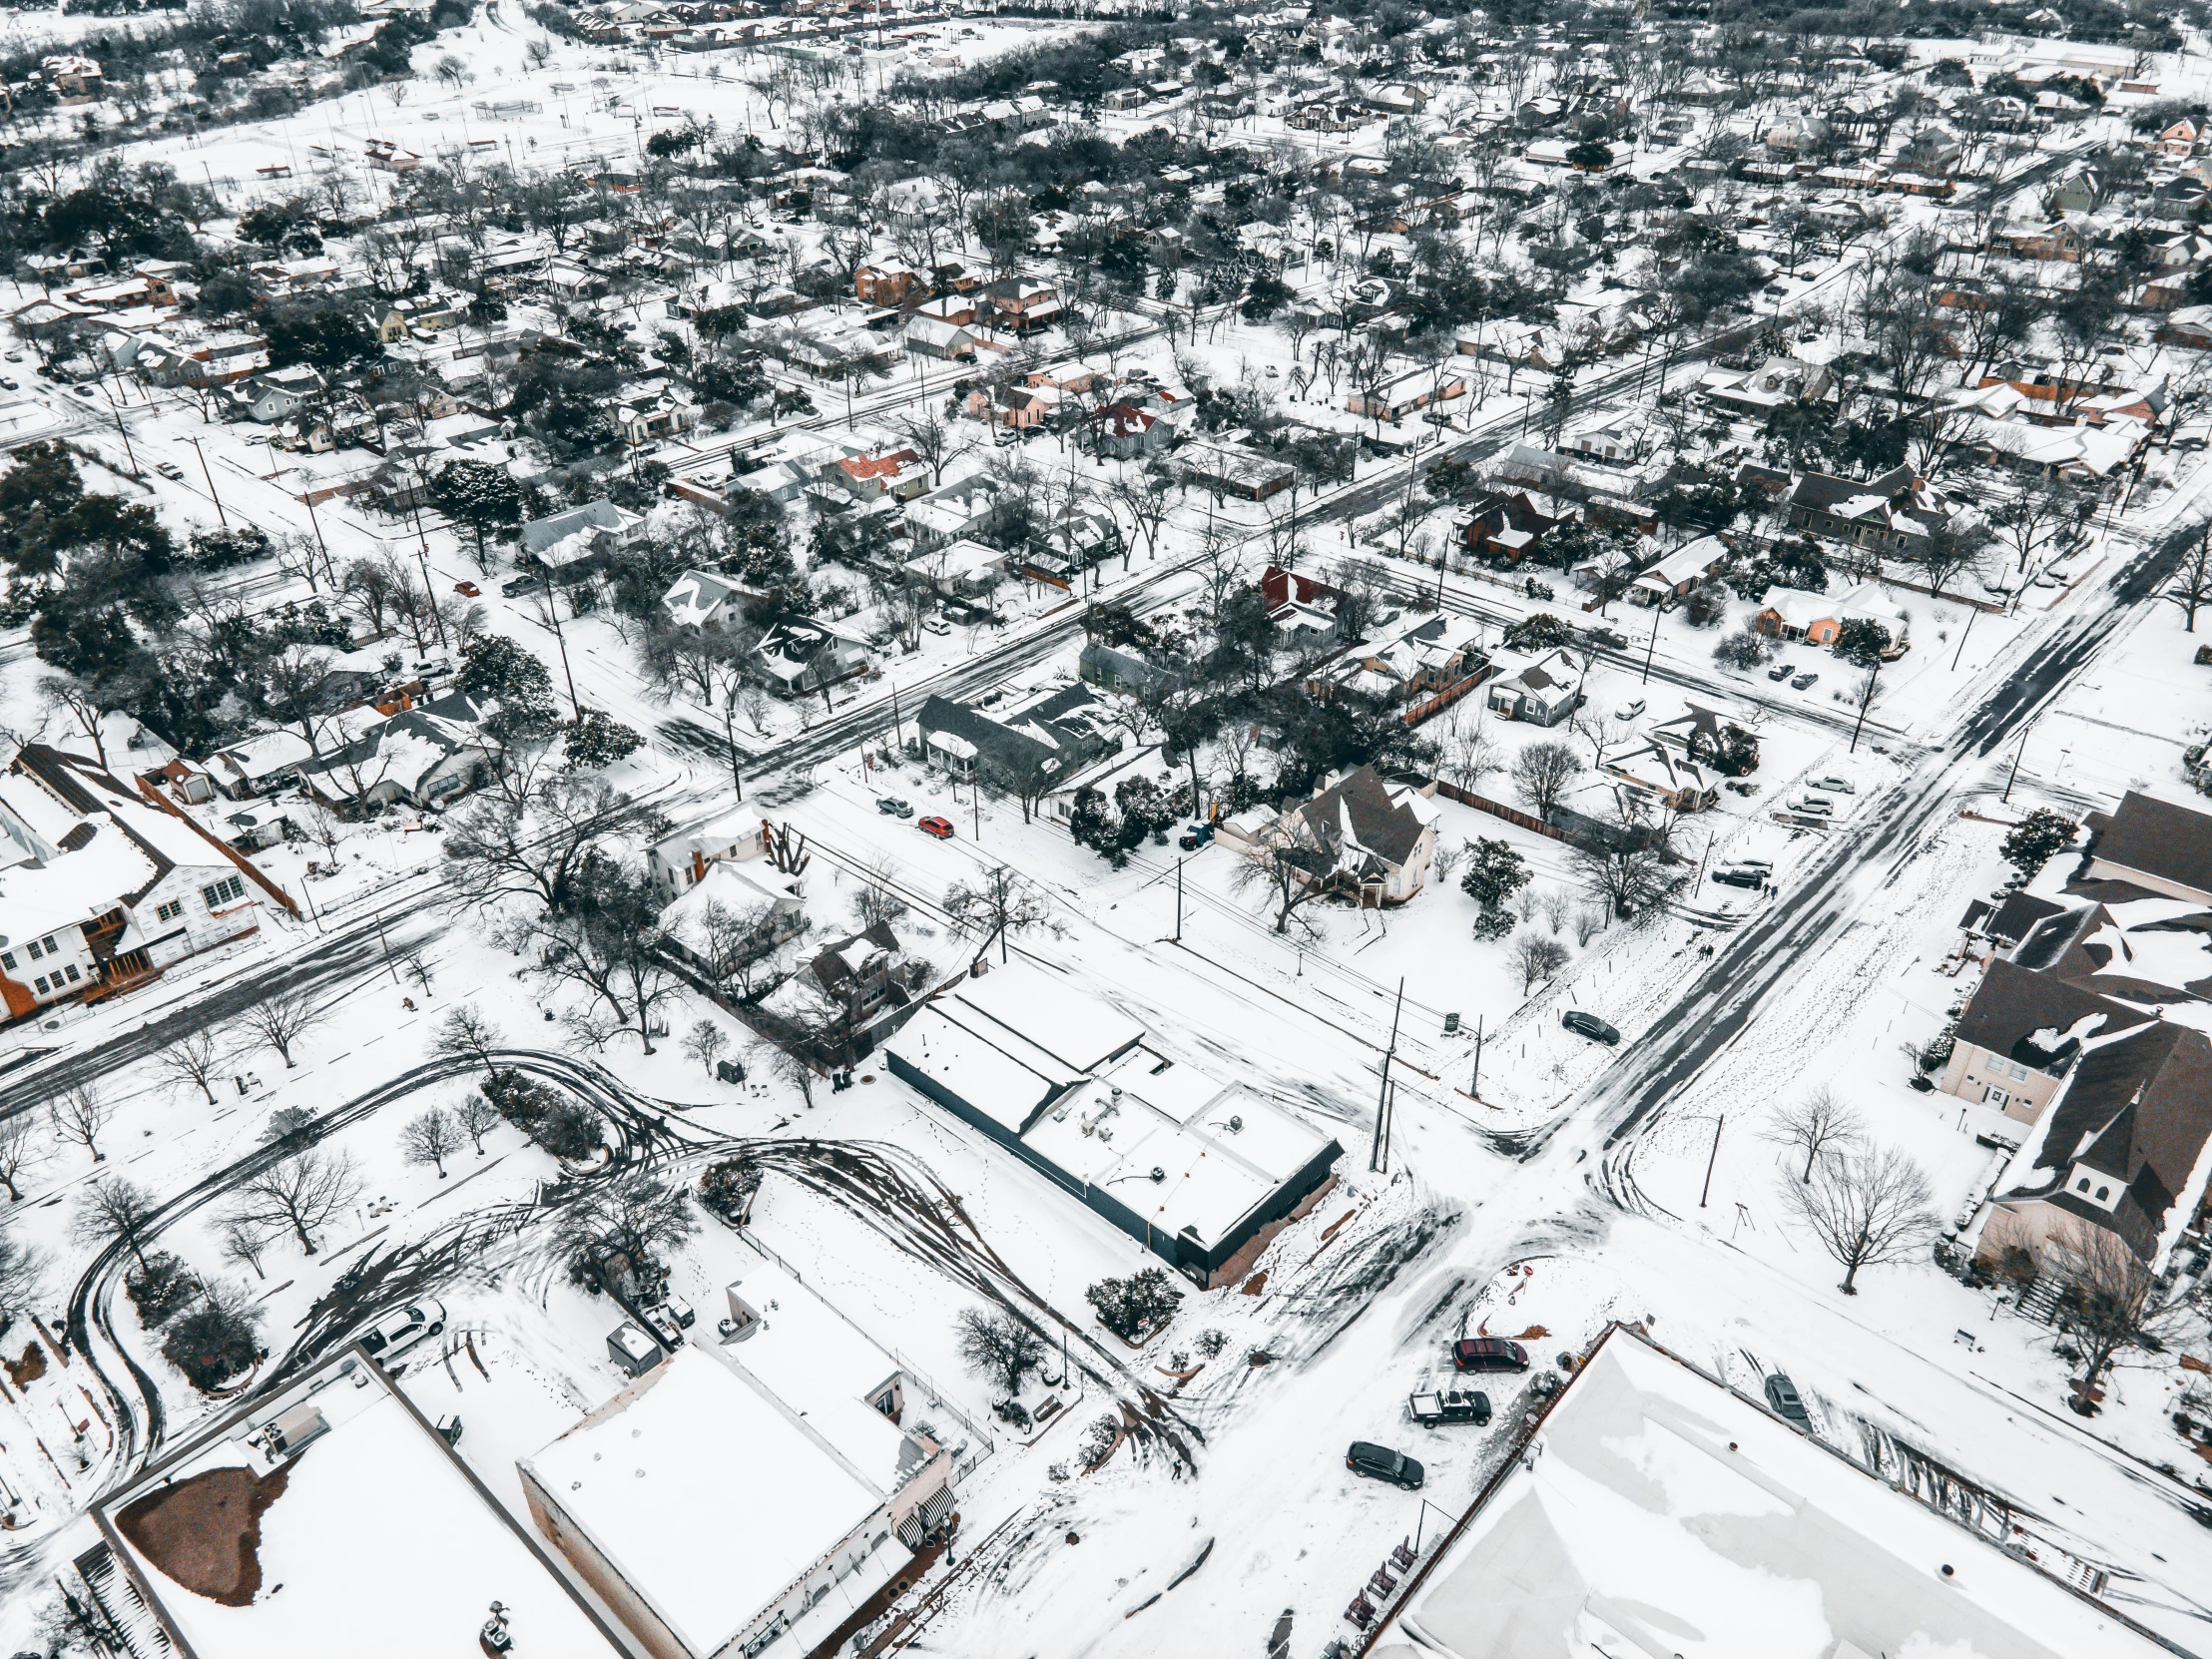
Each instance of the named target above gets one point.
<point>941,827</point>
<point>402,1328</point>
<point>890,805</point>
<point>936,625</point>
<point>10,382</point>
<point>1781,671</point>
<point>1812,805</point>
<point>1379,1462</point>
<point>1433,1407</point>
<point>1782,1397</point>
<point>1488,1354</point>
<point>1729,877</point>
<point>1805,680</point>
<point>1834,784</point>
<point>1633,708</point>
<point>1589,1025</point>
<point>514,585</point>
<point>468,590</point>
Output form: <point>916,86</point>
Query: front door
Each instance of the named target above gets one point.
<point>1995,1096</point>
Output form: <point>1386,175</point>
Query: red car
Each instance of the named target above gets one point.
<point>1488,1354</point>
<point>468,588</point>
<point>941,827</point>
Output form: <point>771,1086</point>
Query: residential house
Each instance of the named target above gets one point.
<point>1791,614</point>
<point>1505,524</point>
<point>1665,775</point>
<point>105,884</point>
<point>2154,846</point>
<point>277,394</point>
<point>866,975</point>
<point>75,78</point>
<point>677,864</point>
<point>1035,739</point>
<point>1020,306</point>
<point>1015,407</point>
<point>703,599</point>
<point>580,535</point>
<point>1672,576</point>
<point>1227,468</point>
<point>1705,733</point>
<point>260,765</point>
<point>1404,393</point>
<point>418,318</point>
<point>898,475</point>
<point>1543,692</point>
<point>1360,835</point>
<point>732,913</point>
<point>1124,432</point>
<point>1894,513</point>
<point>962,569</point>
<point>929,336</point>
<point>1427,664</point>
<point>414,759</point>
<point>960,310</point>
<point>1775,384</point>
<point>889,284</point>
<point>802,654</point>
<point>958,510</point>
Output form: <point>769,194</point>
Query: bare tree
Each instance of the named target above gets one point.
<point>1538,958</point>
<point>2110,1306</point>
<point>1634,882</point>
<point>63,694</point>
<point>1817,1125</point>
<point>638,1214</point>
<point>994,907</point>
<point>192,1058</point>
<point>706,1043</point>
<point>19,1150</point>
<point>1000,1345</point>
<point>467,1034</point>
<point>302,1193</point>
<point>877,899</point>
<point>2190,585</point>
<point>1541,773</point>
<point>114,1211</point>
<point>22,1268</point>
<point>77,1117</point>
<point>281,1021</point>
<point>1866,1207</point>
<point>244,1245</point>
<point>1276,867</point>
<point>797,1070</point>
<point>431,1137</point>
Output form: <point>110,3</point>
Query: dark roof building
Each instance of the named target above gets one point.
<point>1027,748</point>
<point>2158,845</point>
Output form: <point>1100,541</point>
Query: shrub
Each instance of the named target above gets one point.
<point>516,1098</point>
<point>1743,650</point>
<point>213,1343</point>
<point>1210,1343</point>
<point>1132,1306</point>
<point>1705,606</point>
<point>568,1129</point>
<point>1098,1440</point>
<point>728,1188</point>
<point>161,1290</point>
<point>2035,837</point>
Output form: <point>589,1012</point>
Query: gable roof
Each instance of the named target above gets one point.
<point>2038,1019</point>
<point>2162,839</point>
<point>1359,818</point>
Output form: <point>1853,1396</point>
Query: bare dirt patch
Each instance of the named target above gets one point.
<point>205,1531</point>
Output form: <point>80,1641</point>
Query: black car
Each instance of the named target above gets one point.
<point>1781,671</point>
<point>1379,1462</point>
<point>1805,680</point>
<point>515,585</point>
<point>1606,637</point>
<point>1488,1354</point>
<point>1589,1025</point>
<point>1450,1406</point>
<point>1739,877</point>
<point>1782,1394</point>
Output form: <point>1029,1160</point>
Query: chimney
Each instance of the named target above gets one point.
<point>697,865</point>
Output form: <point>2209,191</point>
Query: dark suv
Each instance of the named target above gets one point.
<point>1589,1025</point>
<point>1379,1462</point>
<point>1488,1354</point>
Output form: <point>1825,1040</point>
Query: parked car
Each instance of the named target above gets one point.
<point>1806,680</point>
<point>1633,708</point>
<point>1488,1354</point>
<point>935,625</point>
<point>1812,805</point>
<point>397,1331</point>
<point>1838,786</point>
<point>520,584</point>
<point>468,590</point>
<point>1612,637</point>
<point>1450,1405</point>
<point>1589,1025</point>
<point>81,391</point>
<point>1739,879</point>
<point>168,469</point>
<point>9,381</point>
<point>1782,1394</point>
<point>1379,1462</point>
<point>890,805</point>
<point>941,827</point>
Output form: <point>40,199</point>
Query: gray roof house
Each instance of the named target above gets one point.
<point>592,531</point>
<point>2157,846</point>
<point>1026,746</point>
<point>1360,834</point>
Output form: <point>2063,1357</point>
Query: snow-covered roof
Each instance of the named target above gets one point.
<point>374,1521</point>
<point>703,1494</point>
<point>1656,1502</point>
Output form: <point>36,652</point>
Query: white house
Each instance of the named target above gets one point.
<point>1543,692</point>
<point>681,862</point>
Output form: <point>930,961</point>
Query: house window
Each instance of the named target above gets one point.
<point>2082,1184</point>
<point>169,911</point>
<point>70,971</point>
<point>52,950</point>
<point>222,892</point>
<point>2104,1193</point>
<point>40,984</point>
<point>37,950</point>
<point>7,960</point>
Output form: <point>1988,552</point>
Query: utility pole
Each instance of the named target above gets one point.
<point>1712,1160</point>
<point>553,611</point>
<point>1653,647</point>
<point>1972,611</point>
<point>1179,901</point>
<point>2017,754</point>
<point>205,473</point>
<point>1474,1084</point>
<point>1381,1098</point>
